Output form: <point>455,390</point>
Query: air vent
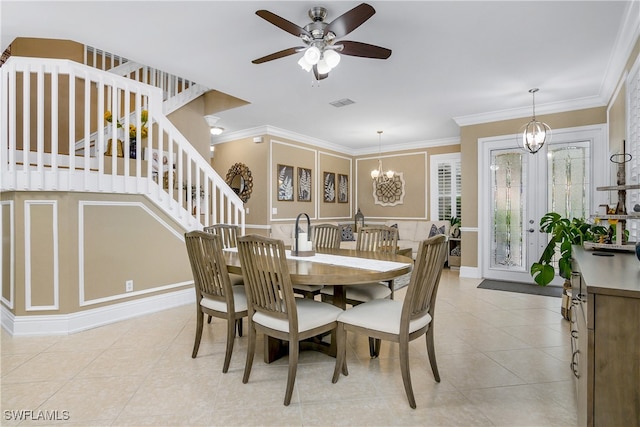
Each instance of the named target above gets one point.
<point>341,102</point>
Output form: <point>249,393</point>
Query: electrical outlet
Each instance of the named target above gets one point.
<point>247,211</point>
<point>128,286</point>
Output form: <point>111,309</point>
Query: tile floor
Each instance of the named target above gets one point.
<point>503,360</point>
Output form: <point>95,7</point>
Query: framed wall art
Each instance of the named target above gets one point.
<point>304,185</point>
<point>285,183</point>
<point>329,184</point>
<point>343,188</point>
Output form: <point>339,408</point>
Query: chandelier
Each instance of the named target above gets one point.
<point>534,134</point>
<point>378,174</point>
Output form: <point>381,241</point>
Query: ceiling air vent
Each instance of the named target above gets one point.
<point>341,102</point>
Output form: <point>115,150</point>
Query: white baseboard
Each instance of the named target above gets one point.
<point>470,272</point>
<point>64,324</point>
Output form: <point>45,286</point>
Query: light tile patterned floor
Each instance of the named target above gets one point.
<point>503,360</point>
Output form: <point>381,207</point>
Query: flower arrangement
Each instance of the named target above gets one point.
<point>144,118</point>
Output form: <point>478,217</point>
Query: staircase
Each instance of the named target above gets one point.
<point>49,107</point>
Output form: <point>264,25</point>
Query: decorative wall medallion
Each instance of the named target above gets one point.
<point>389,193</point>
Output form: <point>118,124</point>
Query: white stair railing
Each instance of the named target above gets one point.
<point>67,101</point>
<point>177,91</point>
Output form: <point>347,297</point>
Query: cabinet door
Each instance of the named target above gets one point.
<point>580,365</point>
<point>616,360</point>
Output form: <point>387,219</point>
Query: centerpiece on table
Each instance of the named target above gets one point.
<point>133,131</point>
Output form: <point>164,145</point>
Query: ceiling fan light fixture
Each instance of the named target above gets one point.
<point>312,55</point>
<point>331,57</point>
<point>304,64</point>
<point>323,67</point>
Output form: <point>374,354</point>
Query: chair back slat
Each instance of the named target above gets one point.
<point>377,238</point>
<point>210,275</point>
<point>425,277</point>
<point>326,236</point>
<point>266,277</point>
<point>229,234</point>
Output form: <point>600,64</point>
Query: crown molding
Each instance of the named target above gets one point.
<point>628,35</point>
<point>408,146</point>
<point>541,109</point>
<point>273,131</point>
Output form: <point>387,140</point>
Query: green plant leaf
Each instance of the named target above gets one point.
<point>543,274</point>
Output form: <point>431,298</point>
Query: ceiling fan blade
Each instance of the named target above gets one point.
<point>349,21</point>
<point>278,55</point>
<point>319,76</point>
<point>363,50</point>
<point>282,23</point>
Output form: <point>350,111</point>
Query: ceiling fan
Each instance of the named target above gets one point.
<point>320,38</point>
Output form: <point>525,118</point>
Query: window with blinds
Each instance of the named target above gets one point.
<point>446,186</point>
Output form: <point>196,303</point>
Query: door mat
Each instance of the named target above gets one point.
<point>523,288</point>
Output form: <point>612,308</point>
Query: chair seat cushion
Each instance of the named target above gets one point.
<point>239,301</point>
<point>381,315</point>
<point>363,293</point>
<point>311,314</point>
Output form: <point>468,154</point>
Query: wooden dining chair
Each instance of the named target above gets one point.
<point>325,236</point>
<point>229,234</point>
<point>273,309</point>
<point>371,239</point>
<point>215,295</point>
<point>397,321</point>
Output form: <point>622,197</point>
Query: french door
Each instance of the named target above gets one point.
<point>518,188</point>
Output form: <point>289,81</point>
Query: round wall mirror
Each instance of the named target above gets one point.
<point>240,180</point>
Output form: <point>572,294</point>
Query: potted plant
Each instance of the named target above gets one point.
<point>564,232</point>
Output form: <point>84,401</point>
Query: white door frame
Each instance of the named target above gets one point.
<point>599,165</point>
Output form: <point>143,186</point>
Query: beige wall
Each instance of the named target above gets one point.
<point>414,164</point>
<point>617,109</point>
<point>88,241</point>
<point>189,120</point>
<point>254,156</point>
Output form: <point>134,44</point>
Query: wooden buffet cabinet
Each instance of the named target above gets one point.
<point>605,337</point>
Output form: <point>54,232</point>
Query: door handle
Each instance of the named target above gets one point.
<point>531,230</point>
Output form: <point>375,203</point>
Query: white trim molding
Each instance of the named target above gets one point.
<point>64,324</point>
<point>11,233</point>
<point>28,267</point>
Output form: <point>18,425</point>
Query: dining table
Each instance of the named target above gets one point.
<point>330,267</point>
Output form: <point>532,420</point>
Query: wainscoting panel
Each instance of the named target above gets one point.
<point>41,250</point>
<point>7,253</point>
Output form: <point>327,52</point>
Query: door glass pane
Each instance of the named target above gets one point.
<point>508,188</point>
<point>568,180</point>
